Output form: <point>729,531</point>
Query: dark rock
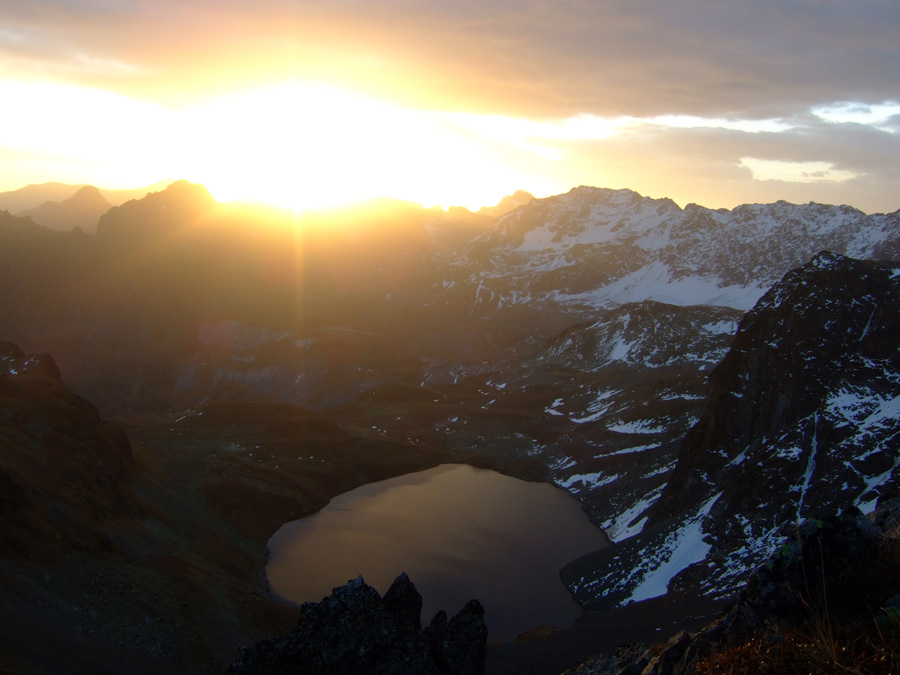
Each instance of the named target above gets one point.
<point>792,351</point>
<point>354,630</point>
<point>404,602</point>
<point>459,644</point>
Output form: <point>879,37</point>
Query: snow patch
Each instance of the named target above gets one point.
<point>655,282</point>
<point>684,547</point>
<point>587,480</point>
<point>552,408</point>
<point>628,451</point>
<point>626,524</point>
<point>721,328</point>
<point>637,427</point>
<point>597,408</point>
<point>872,484</point>
<point>620,350</point>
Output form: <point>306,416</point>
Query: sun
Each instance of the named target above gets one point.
<point>308,146</point>
<point>292,144</point>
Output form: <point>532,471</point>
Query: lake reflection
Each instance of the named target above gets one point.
<point>459,532</point>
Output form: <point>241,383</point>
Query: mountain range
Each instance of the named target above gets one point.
<point>703,381</point>
<point>60,206</point>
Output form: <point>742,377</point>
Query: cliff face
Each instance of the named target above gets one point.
<point>800,422</point>
<point>803,364</point>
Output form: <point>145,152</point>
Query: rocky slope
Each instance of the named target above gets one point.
<point>826,602</point>
<point>800,422</point>
<point>64,471</point>
<point>138,554</point>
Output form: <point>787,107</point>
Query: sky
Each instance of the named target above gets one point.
<point>314,103</point>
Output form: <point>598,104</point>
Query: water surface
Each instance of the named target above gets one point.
<point>459,532</point>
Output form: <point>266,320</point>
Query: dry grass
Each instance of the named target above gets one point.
<point>847,627</point>
<point>807,650</point>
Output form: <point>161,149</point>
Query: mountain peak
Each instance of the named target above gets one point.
<point>184,189</point>
<point>181,203</point>
<point>81,210</point>
<point>87,192</point>
<point>507,204</point>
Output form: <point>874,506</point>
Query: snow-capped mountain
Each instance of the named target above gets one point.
<point>651,294</point>
<point>592,248</point>
<point>801,421</point>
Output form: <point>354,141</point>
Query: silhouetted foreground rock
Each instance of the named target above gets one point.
<point>355,630</point>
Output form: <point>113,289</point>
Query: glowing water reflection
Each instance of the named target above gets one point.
<point>459,532</point>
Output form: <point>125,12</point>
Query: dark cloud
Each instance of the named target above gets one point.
<point>547,59</point>
<point>640,57</point>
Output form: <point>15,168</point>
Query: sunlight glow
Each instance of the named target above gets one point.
<point>540,137</point>
<point>307,146</point>
<point>84,132</point>
<point>549,138</point>
<point>293,145</point>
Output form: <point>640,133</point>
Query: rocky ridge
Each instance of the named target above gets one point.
<point>355,630</point>
<point>651,249</point>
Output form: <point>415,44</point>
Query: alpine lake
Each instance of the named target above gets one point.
<point>458,532</point>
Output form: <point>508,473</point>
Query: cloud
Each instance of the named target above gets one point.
<point>719,166</point>
<point>530,58</point>
<point>671,98</point>
<point>796,172</point>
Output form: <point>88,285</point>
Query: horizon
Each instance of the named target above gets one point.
<point>380,200</point>
<point>314,107</point>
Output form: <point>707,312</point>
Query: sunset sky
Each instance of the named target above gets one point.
<point>311,103</point>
